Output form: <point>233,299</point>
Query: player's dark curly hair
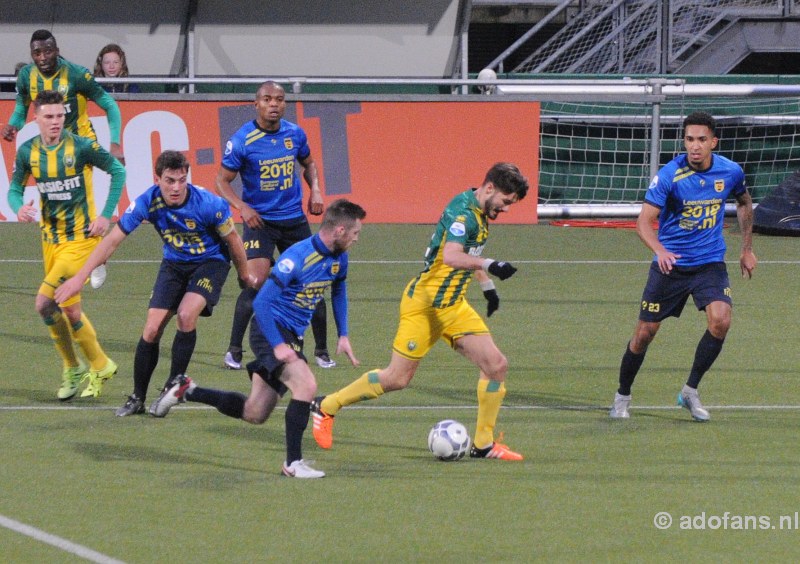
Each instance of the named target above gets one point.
<point>42,35</point>
<point>507,178</point>
<point>701,118</point>
<point>47,97</point>
<point>172,160</point>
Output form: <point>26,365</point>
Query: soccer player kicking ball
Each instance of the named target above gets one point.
<point>434,306</point>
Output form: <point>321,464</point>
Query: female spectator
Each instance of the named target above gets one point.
<point>111,64</point>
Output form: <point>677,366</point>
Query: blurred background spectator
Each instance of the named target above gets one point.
<point>111,63</point>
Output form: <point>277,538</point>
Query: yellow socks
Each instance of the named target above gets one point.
<point>367,387</point>
<point>490,398</point>
<point>59,332</point>
<point>84,334</point>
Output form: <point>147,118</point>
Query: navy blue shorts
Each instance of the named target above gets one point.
<point>261,243</point>
<point>176,279</point>
<point>265,364</point>
<point>666,294</point>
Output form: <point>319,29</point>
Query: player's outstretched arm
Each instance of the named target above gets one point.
<point>99,256</point>
<point>644,229</point>
<point>224,189</point>
<point>454,256</point>
<point>239,258</point>
<point>344,347</point>
<point>9,132</point>
<point>311,176</point>
<point>744,214</point>
<point>489,292</point>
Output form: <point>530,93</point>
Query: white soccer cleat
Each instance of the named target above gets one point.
<point>689,399</point>
<point>233,360</point>
<point>173,396</point>
<point>301,469</point>
<point>620,408</point>
<point>324,360</point>
<point>98,276</point>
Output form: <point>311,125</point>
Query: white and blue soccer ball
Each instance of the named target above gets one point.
<point>449,440</point>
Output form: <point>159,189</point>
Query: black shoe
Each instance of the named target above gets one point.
<point>134,406</point>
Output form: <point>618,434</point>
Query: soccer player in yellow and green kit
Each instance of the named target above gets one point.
<point>434,307</point>
<point>61,164</point>
<point>49,71</point>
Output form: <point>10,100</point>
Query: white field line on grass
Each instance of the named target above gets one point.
<point>556,262</point>
<point>428,407</point>
<point>53,540</point>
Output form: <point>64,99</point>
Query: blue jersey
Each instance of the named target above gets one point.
<point>267,164</point>
<point>295,286</point>
<point>693,207</point>
<point>192,232</point>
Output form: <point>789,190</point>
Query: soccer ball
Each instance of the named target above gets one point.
<point>448,440</point>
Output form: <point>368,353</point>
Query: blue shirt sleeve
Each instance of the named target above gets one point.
<point>233,157</point>
<point>339,303</point>
<point>303,150</point>
<point>658,190</point>
<point>135,214</point>
<point>262,309</point>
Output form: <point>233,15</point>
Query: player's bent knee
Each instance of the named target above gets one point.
<point>302,389</point>
<point>498,368</point>
<point>392,382</point>
<point>719,329</point>
<point>255,419</point>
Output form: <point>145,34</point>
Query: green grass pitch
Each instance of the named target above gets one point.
<point>200,487</point>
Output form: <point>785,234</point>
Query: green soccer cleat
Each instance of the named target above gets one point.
<point>71,379</point>
<point>97,378</point>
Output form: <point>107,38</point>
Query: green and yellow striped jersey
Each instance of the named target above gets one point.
<point>63,175</point>
<point>462,222</point>
<point>76,84</point>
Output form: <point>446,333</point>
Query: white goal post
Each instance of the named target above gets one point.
<point>601,141</point>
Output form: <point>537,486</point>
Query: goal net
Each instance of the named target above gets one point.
<point>600,153</point>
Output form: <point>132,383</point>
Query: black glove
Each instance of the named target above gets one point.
<point>493,301</point>
<point>502,270</point>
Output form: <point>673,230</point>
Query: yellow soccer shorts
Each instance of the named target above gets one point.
<point>421,325</point>
<point>63,261</point>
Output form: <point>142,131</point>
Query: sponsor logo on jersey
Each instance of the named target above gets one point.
<point>61,185</point>
<point>458,229</point>
<point>719,185</point>
<point>286,266</point>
